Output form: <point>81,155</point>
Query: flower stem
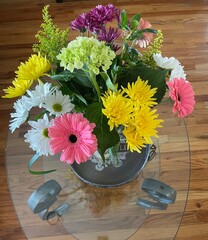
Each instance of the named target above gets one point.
<point>95,84</point>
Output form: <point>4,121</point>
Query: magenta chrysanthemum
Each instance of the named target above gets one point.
<point>103,14</point>
<point>72,135</point>
<point>181,92</point>
<point>81,23</point>
<point>109,36</point>
<point>95,20</point>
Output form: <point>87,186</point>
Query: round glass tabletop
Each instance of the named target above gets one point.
<point>104,213</point>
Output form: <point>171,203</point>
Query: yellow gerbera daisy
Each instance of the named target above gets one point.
<point>135,142</point>
<point>19,88</point>
<point>34,68</point>
<point>117,109</point>
<point>146,121</point>
<point>141,93</point>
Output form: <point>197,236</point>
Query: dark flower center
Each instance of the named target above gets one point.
<point>72,138</point>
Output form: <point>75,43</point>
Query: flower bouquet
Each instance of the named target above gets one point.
<point>97,89</point>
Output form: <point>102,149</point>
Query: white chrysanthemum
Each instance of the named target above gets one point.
<point>58,104</point>
<point>165,62</point>
<point>38,95</point>
<point>22,107</point>
<point>177,72</point>
<point>38,136</point>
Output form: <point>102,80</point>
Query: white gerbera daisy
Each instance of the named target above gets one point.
<point>38,95</point>
<point>165,62</point>
<point>58,104</point>
<point>22,107</point>
<point>38,136</point>
<point>177,72</point>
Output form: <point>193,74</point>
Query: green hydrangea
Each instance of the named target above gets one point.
<point>154,47</point>
<point>84,52</point>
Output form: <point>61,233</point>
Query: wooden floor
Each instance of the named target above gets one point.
<point>185,27</point>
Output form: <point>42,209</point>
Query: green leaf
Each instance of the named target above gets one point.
<point>63,76</point>
<point>72,91</point>
<point>136,17</point>
<point>139,34</point>
<point>155,77</point>
<point>105,137</point>
<point>133,54</point>
<point>135,21</point>
<point>82,79</point>
<point>149,30</point>
<point>78,76</point>
<point>135,35</point>
<point>108,81</point>
<point>124,20</point>
<point>31,163</point>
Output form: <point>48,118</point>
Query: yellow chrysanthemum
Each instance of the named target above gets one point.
<point>141,93</point>
<point>117,109</point>
<point>34,68</point>
<point>145,120</point>
<point>18,90</point>
<point>135,142</point>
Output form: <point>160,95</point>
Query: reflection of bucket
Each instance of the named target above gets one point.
<point>112,176</point>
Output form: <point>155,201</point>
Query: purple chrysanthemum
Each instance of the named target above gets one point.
<point>115,47</point>
<point>81,23</point>
<point>108,36</point>
<point>103,14</point>
<point>84,22</point>
<point>94,20</point>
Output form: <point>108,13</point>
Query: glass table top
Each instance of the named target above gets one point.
<point>104,213</point>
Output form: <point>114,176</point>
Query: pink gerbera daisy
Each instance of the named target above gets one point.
<point>71,134</point>
<point>181,92</point>
<point>147,37</point>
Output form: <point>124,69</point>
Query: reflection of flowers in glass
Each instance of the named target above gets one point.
<point>101,201</point>
<point>181,92</point>
<point>72,135</point>
<point>57,103</point>
<point>86,51</point>
<point>38,136</point>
